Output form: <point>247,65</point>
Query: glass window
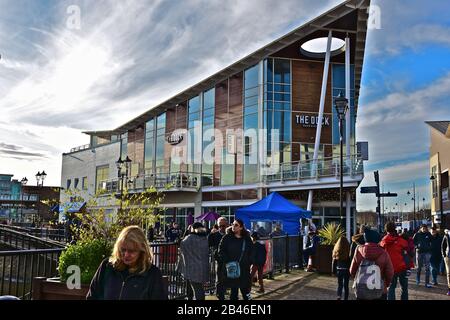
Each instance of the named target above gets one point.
<point>68,184</point>
<point>227,175</point>
<point>84,182</point>
<point>282,71</point>
<point>75,183</point>
<point>124,145</point>
<point>209,99</point>
<point>251,77</point>
<point>102,175</point>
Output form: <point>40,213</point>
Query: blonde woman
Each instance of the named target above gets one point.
<point>341,265</point>
<point>129,273</point>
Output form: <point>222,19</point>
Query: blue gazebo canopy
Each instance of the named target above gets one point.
<point>274,207</point>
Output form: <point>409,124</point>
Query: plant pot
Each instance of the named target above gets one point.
<point>324,258</point>
<point>54,289</point>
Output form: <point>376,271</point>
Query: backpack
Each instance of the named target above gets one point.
<point>368,283</point>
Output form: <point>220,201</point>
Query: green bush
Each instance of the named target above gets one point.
<point>87,255</point>
<point>331,233</point>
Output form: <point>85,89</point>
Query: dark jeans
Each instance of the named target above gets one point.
<point>220,289</point>
<point>435,264</point>
<point>306,254</point>
<point>235,293</point>
<point>400,277</point>
<point>343,278</point>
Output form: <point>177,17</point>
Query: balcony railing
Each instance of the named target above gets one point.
<point>170,181</point>
<point>191,181</point>
<point>79,148</point>
<point>328,167</point>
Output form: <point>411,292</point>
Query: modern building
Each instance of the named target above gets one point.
<point>248,130</point>
<point>25,204</point>
<point>439,168</point>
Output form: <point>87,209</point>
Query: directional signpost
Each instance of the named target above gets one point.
<point>376,190</point>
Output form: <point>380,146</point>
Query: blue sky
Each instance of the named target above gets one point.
<point>131,55</point>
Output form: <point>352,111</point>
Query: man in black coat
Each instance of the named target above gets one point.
<point>214,239</point>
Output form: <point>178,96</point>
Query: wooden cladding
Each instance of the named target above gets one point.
<point>306,90</point>
<point>136,149</point>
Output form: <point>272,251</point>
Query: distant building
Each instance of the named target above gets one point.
<point>439,168</point>
<point>26,204</point>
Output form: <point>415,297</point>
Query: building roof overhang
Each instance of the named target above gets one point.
<point>440,126</point>
<point>350,17</point>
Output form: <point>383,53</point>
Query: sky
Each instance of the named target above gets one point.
<point>59,77</point>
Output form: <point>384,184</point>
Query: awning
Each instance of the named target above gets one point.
<point>71,207</point>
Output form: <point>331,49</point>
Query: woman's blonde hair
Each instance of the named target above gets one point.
<point>132,235</point>
<point>341,250</point>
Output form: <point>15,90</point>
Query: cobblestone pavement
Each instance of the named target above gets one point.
<point>323,287</point>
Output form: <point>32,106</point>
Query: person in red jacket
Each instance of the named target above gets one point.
<point>373,252</point>
<point>397,248</point>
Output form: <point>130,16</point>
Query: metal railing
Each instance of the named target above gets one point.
<point>57,234</point>
<point>179,180</point>
<point>24,241</point>
<point>328,167</point>
<point>79,148</point>
<point>18,268</point>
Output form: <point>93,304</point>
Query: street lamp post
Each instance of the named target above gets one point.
<point>23,182</point>
<point>341,104</point>
<point>414,203</point>
<point>121,175</point>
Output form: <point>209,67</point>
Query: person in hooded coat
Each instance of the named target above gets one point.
<point>373,252</point>
<point>397,248</point>
<point>357,239</point>
<point>194,259</point>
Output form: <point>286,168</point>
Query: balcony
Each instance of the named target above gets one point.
<point>310,175</point>
<point>182,181</point>
<point>79,148</point>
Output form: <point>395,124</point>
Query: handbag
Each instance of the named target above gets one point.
<point>233,268</point>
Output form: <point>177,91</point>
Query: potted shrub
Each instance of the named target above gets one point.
<point>329,235</point>
<point>95,232</point>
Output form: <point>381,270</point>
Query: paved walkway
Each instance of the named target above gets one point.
<point>313,286</point>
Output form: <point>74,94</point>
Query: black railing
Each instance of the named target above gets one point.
<point>18,269</point>
<point>24,241</point>
<point>56,234</point>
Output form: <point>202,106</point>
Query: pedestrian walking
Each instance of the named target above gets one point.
<point>357,239</point>
<point>397,248</point>
<point>235,251</point>
<point>309,251</point>
<point>371,268</point>
<point>422,243</point>
<point>174,233</point>
<point>214,239</point>
<point>259,259</point>
<point>445,250</point>
<point>129,273</point>
<point>341,266</point>
<point>436,255</point>
<point>193,261</point>
<point>409,257</point>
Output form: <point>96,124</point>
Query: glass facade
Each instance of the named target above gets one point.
<point>208,126</point>
<point>124,145</point>
<point>277,109</point>
<point>149,149</point>
<point>160,142</point>
<point>194,125</point>
<point>338,86</point>
<point>251,97</point>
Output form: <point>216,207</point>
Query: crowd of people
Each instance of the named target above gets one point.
<point>376,263</point>
<point>379,263</point>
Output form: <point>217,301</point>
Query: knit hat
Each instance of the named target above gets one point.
<point>371,236</point>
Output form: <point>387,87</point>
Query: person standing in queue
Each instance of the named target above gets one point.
<point>235,249</point>
<point>129,273</point>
